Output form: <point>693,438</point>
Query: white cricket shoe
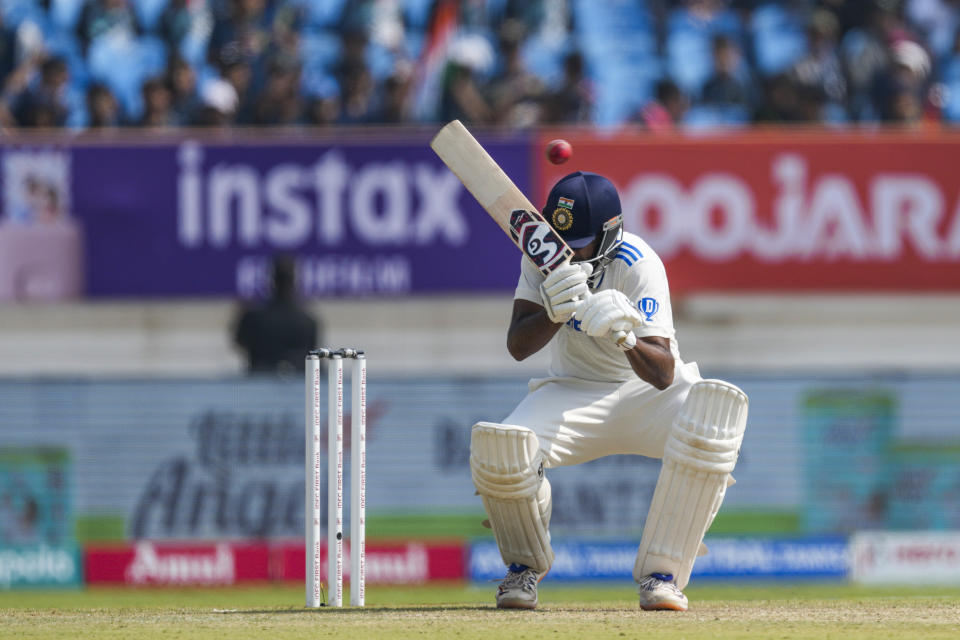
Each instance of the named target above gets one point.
<point>519,588</point>
<point>659,591</point>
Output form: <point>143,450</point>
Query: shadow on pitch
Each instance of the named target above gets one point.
<point>360,610</point>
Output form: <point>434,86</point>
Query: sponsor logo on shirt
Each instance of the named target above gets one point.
<point>649,307</point>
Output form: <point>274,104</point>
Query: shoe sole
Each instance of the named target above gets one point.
<point>666,606</point>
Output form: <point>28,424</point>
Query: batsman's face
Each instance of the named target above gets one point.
<point>584,253</point>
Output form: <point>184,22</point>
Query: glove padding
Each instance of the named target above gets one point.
<point>610,311</point>
<point>563,290</point>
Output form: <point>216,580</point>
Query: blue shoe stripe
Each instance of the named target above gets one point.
<point>666,577</point>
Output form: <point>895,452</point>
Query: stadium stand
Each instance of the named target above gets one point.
<point>843,63</point>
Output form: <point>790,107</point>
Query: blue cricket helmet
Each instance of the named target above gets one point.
<point>585,206</point>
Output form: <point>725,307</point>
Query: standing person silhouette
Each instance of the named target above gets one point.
<point>276,334</point>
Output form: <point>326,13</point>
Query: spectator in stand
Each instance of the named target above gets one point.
<point>820,66</point>
<point>811,101</point>
<point>8,49</point>
<point>285,34</point>
<point>381,20</point>
<point>238,46</point>
<point>353,50</point>
<point>900,91</point>
<point>572,101</point>
<point>850,14</point>
<point>867,57</point>
<point>515,93</point>
<point>219,102</point>
<point>235,67</point>
<point>46,105</point>
<point>461,95</point>
<point>357,87</point>
<point>726,87</point>
<point>323,109</point>
<point>666,112</point>
<point>779,103</point>
<point>182,82</point>
<point>157,105</point>
<point>27,55</point>
<point>280,103</point>
<point>530,13</point>
<point>244,27</point>
<point>185,25</point>
<point>394,100</point>
<point>354,79</point>
<point>99,17</point>
<point>903,107</point>
<point>175,22</point>
<point>103,111</point>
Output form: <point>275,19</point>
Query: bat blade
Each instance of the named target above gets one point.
<point>500,197</point>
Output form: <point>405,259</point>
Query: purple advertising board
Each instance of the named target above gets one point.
<point>376,217</point>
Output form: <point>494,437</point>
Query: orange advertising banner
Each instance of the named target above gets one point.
<point>784,212</point>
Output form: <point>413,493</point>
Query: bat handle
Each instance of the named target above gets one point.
<point>619,336</point>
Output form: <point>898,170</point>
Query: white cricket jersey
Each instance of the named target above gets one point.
<point>638,272</point>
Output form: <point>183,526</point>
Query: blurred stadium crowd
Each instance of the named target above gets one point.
<point>656,64</point>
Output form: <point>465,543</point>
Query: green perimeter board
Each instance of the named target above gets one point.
<point>756,522</point>
<point>112,528</point>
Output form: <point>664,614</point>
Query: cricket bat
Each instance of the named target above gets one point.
<point>501,198</point>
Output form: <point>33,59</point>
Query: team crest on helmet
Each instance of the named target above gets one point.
<point>562,219</point>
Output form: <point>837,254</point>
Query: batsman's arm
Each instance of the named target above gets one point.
<point>530,329</point>
<point>652,360</point>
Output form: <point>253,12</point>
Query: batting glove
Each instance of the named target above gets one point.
<point>610,311</point>
<point>563,289</point>
<point>628,342</point>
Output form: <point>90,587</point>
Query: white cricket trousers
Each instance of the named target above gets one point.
<point>579,420</point>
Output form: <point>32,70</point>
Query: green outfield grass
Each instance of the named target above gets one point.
<point>467,613</point>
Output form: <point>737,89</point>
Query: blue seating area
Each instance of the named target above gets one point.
<point>778,38</point>
<point>951,82</point>
<point>619,44</point>
<point>628,48</point>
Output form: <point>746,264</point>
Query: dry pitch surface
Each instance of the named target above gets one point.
<point>466,613</point>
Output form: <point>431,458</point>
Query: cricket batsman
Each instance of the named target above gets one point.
<point>605,394</point>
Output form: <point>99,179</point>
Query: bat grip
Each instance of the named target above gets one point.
<point>618,336</point>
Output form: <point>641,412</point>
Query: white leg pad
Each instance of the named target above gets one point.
<point>700,454</point>
<point>507,470</point>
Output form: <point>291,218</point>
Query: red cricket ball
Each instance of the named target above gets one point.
<point>559,151</point>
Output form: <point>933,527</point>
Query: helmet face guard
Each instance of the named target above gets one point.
<point>609,239</point>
